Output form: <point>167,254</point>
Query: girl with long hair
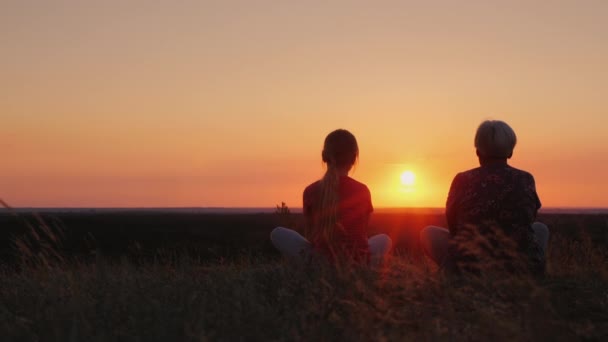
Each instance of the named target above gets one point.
<point>337,209</point>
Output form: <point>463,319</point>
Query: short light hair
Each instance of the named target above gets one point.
<point>495,139</point>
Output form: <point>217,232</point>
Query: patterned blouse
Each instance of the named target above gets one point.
<point>497,194</point>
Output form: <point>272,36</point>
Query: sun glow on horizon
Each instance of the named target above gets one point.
<point>408,178</point>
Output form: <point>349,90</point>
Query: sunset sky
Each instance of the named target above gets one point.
<point>226,103</point>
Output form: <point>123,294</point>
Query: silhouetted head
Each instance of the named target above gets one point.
<point>340,150</point>
<point>494,140</point>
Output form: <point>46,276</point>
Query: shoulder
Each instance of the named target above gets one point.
<point>466,175</point>
<point>355,184</point>
<point>472,171</point>
<point>357,192</point>
<point>312,188</point>
<point>524,175</point>
<point>469,173</point>
<point>309,196</point>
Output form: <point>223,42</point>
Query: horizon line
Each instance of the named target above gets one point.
<point>255,207</point>
<point>261,210</point>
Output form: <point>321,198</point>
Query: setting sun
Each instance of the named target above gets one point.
<point>408,178</point>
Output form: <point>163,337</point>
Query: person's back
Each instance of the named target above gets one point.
<point>490,210</point>
<point>496,194</point>
<point>354,208</point>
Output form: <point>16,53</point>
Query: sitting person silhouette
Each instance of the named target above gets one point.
<point>493,206</point>
<point>337,209</point>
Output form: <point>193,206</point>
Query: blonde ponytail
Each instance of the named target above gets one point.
<point>328,204</point>
<point>340,152</point>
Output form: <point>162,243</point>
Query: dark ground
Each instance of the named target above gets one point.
<point>135,276</point>
<point>213,236</point>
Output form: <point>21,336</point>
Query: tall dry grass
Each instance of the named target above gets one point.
<point>178,298</point>
<point>251,299</point>
<point>39,244</point>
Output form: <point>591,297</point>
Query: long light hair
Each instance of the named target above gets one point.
<point>340,151</point>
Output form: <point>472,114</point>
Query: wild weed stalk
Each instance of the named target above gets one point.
<point>39,244</point>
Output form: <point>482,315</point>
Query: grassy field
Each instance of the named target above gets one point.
<point>175,294</point>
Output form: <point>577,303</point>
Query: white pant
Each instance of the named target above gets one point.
<point>293,245</point>
<point>435,240</point>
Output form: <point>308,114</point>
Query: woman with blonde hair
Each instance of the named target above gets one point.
<point>489,201</point>
<point>337,209</point>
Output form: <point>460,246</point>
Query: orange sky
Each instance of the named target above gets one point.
<point>226,103</point>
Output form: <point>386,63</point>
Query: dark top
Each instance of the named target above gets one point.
<point>354,208</point>
<point>500,195</point>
